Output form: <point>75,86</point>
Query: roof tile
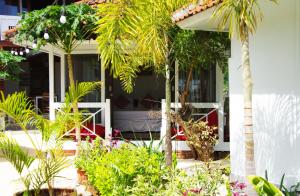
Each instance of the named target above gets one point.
<point>193,9</point>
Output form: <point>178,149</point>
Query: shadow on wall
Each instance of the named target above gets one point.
<point>277,136</point>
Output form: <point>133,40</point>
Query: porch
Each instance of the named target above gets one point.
<point>100,113</point>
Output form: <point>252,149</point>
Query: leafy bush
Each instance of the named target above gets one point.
<point>88,152</point>
<point>200,136</point>
<point>113,172</point>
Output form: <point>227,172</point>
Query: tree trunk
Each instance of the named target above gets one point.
<point>186,91</point>
<point>168,139</point>
<point>75,104</point>
<point>248,124</point>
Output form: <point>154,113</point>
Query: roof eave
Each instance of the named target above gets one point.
<point>202,21</point>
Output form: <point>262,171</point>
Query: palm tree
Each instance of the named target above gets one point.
<point>243,17</point>
<point>48,152</point>
<point>133,34</point>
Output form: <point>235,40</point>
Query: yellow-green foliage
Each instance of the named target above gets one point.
<point>113,172</point>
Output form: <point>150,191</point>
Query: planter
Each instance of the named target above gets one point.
<point>82,177</point>
<point>83,180</point>
<point>57,192</point>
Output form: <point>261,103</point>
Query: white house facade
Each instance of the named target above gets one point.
<point>275,61</point>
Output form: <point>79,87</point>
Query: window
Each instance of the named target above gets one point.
<point>203,85</point>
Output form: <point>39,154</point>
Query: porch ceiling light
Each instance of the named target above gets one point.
<point>12,51</point>
<point>27,50</point>
<point>21,53</point>
<point>16,52</point>
<point>46,35</point>
<point>34,45</point>
<point>63,18</point>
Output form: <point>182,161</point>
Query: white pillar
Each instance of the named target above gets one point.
<point>102,70</point>
<point>103,82</point>
<point>51,85</point>
<point>108,131</point>
<point>62,77</point>
<point>176,82</point>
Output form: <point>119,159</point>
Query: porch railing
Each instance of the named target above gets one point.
<point>102,108</point>
<point>212,107</point>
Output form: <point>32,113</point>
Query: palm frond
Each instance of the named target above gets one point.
<point>241,16</point>
<point>80,90</point>
<point>47,170</point>
<point>18,107</point>
<point>11,151</point>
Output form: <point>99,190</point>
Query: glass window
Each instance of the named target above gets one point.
<point>86,69</point>
<point>202,86</point>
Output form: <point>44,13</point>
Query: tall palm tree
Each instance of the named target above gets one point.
<point>243,17</point>
<point>133,34</point>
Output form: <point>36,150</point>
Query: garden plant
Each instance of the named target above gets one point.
<point>44,164</point>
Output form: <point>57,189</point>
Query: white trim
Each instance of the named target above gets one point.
<point>201,21</point>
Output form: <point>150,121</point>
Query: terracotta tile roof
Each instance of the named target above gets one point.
<point>10,32</point>
<point>193,9</point>
<point>92,3</point>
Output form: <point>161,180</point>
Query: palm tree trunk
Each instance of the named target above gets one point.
<point>75,104</point>
<point>168,139</point>
<point>248,122</point>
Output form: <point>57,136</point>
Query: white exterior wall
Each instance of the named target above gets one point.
<point>275,59</point>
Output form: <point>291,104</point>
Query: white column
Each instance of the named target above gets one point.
<point>108,131</point>
<point>51,85</point>
<point>176,82</point>
<point>102,70</point>
<point>62,77</point>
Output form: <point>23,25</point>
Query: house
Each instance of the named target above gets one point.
<point>111,108</point>
<point>275,61</point>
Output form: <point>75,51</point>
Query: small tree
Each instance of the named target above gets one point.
<point>197,51</point>
<point>67,36</point>
<point>9,66</point>
<point>48,150</point>
<point>133,34</point>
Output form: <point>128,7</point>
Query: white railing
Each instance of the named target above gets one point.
<point>222,145</point>
<point>103,109</point>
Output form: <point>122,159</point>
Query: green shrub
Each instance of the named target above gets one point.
<point>113,172</point>
<point>88,153</point>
